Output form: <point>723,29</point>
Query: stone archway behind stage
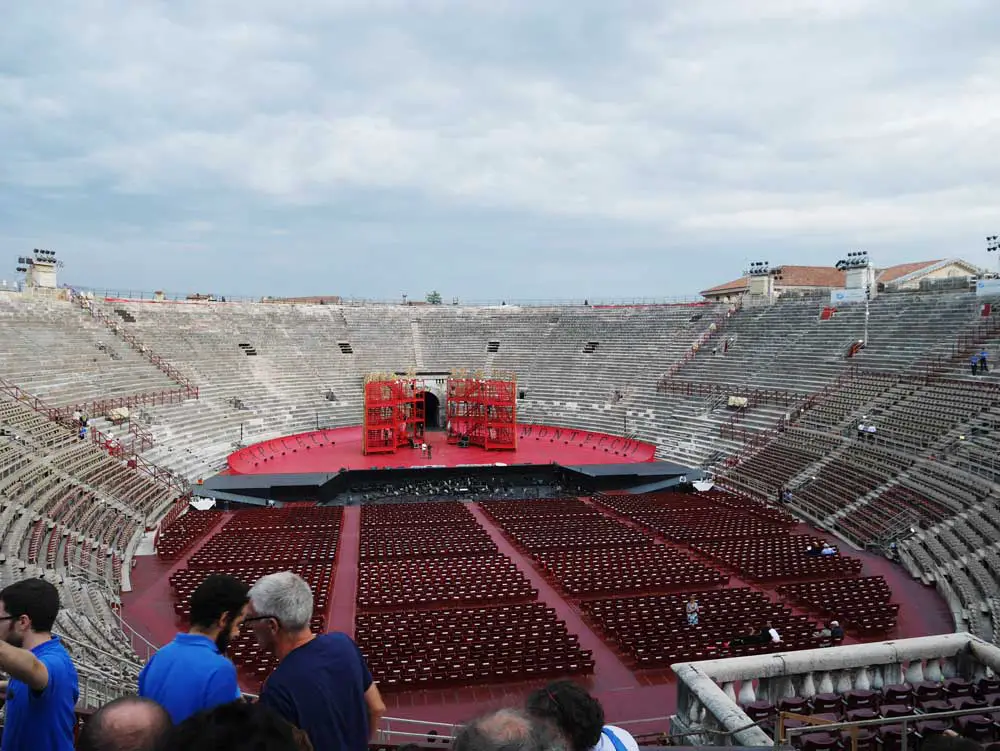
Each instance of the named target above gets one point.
<point>433,411</point>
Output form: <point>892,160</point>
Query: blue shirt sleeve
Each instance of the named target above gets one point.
<point>366,674</point>
<point>222,687</point>
<point>142,678</point>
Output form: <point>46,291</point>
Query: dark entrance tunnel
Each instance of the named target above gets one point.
<point>432,411</point>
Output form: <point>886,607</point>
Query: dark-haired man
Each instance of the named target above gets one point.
<point>235,727</point>
<point>43,686</point>
<point>192,673</point>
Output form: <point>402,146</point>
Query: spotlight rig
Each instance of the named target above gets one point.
<point>855,260</point>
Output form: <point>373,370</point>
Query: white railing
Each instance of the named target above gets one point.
<point>711,694</point>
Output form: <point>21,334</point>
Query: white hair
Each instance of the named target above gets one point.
<point>285,596</point>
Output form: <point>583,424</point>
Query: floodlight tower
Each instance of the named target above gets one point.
<point>39,268</point>
<point>860,273</point>
<point>993,246</point>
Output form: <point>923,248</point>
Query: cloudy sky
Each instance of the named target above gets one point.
<point>493,148</point>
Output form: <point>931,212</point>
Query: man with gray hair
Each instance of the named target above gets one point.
<point>322,683</point>
<point>509,730</point>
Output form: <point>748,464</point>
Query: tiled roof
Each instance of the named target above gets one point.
<point>893,273</point>
<point>826,276</point>
<point>790,276</point>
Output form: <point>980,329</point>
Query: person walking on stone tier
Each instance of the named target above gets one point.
<point>43,688</point>
<point>693,610</point>
<point>192,673</point>
<point>322,684</point>
<point>974,363</point>
<point>984,367</point>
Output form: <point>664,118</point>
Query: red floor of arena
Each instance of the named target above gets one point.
<point>626,695</point>
<point>341,449</point>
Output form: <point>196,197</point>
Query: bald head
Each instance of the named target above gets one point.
<point>126,724</point>
<point>508,730</point>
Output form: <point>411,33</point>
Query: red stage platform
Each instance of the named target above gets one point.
<point>341,448</point>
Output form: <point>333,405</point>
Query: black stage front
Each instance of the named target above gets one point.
<point>450,483</point>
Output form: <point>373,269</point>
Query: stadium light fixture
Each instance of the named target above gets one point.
<point>758,268</point>
<point>993,246</point>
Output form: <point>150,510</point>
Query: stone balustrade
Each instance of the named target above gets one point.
<point>711,693</point>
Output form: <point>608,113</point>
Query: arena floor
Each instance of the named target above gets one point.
<point>626,694</point>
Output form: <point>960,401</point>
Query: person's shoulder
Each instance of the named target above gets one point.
<point>624,737</point>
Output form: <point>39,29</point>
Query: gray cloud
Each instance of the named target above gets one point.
<point>494,149</point>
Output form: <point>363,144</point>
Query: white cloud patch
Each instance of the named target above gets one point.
<point>637,128</point>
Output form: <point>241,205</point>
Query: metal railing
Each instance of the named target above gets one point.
<point>816,724</point>
<point>139,295</point>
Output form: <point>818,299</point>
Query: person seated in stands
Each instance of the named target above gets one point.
<point>814,551</point>
<point>824,635</point>
<point>579,717</point>
<point>772,634</point>
<point>836,632</point>
<point>748,638</point>
<point>786,497</point>
<point>828,549</point>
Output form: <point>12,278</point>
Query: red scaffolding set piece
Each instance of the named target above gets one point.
<point>394,414</point>
<point>483,412</point>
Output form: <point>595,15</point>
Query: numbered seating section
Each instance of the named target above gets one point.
<point>560,524</point>
<point>654,631</point>
<point>432,540</point>
<point>864,605</point>
<point>444,581</point>
<point>602,571</point>
<point>461,647</point>
<point>183,532</point>
<point>777,558</point>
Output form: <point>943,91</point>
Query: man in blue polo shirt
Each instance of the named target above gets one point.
<point>191,673</point>
<point>43,686</point>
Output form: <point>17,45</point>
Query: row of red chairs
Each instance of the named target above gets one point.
<point>439,581</point>
<point>626,570</point>
<point>468,646</point>
<point>535,509</point>
<point>776,558</point>
<point>579,532</point>
<point>407,514</point>
<point>183,532</point>
<point>287,517</point>
<point>861,604</point>
<point>277,546</point>
<point>654,629</point>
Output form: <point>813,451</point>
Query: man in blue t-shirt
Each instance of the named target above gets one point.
<point>43,686</point>
<point>192,673</point>
<point>322,684</point>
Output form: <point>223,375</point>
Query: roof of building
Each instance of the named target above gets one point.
<point>828,276</point>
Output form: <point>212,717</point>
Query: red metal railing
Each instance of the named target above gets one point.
<point>190,389</point>
<point>111,445</point>
<point>720,325</point>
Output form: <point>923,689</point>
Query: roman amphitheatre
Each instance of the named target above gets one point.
<point>490,496</point>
